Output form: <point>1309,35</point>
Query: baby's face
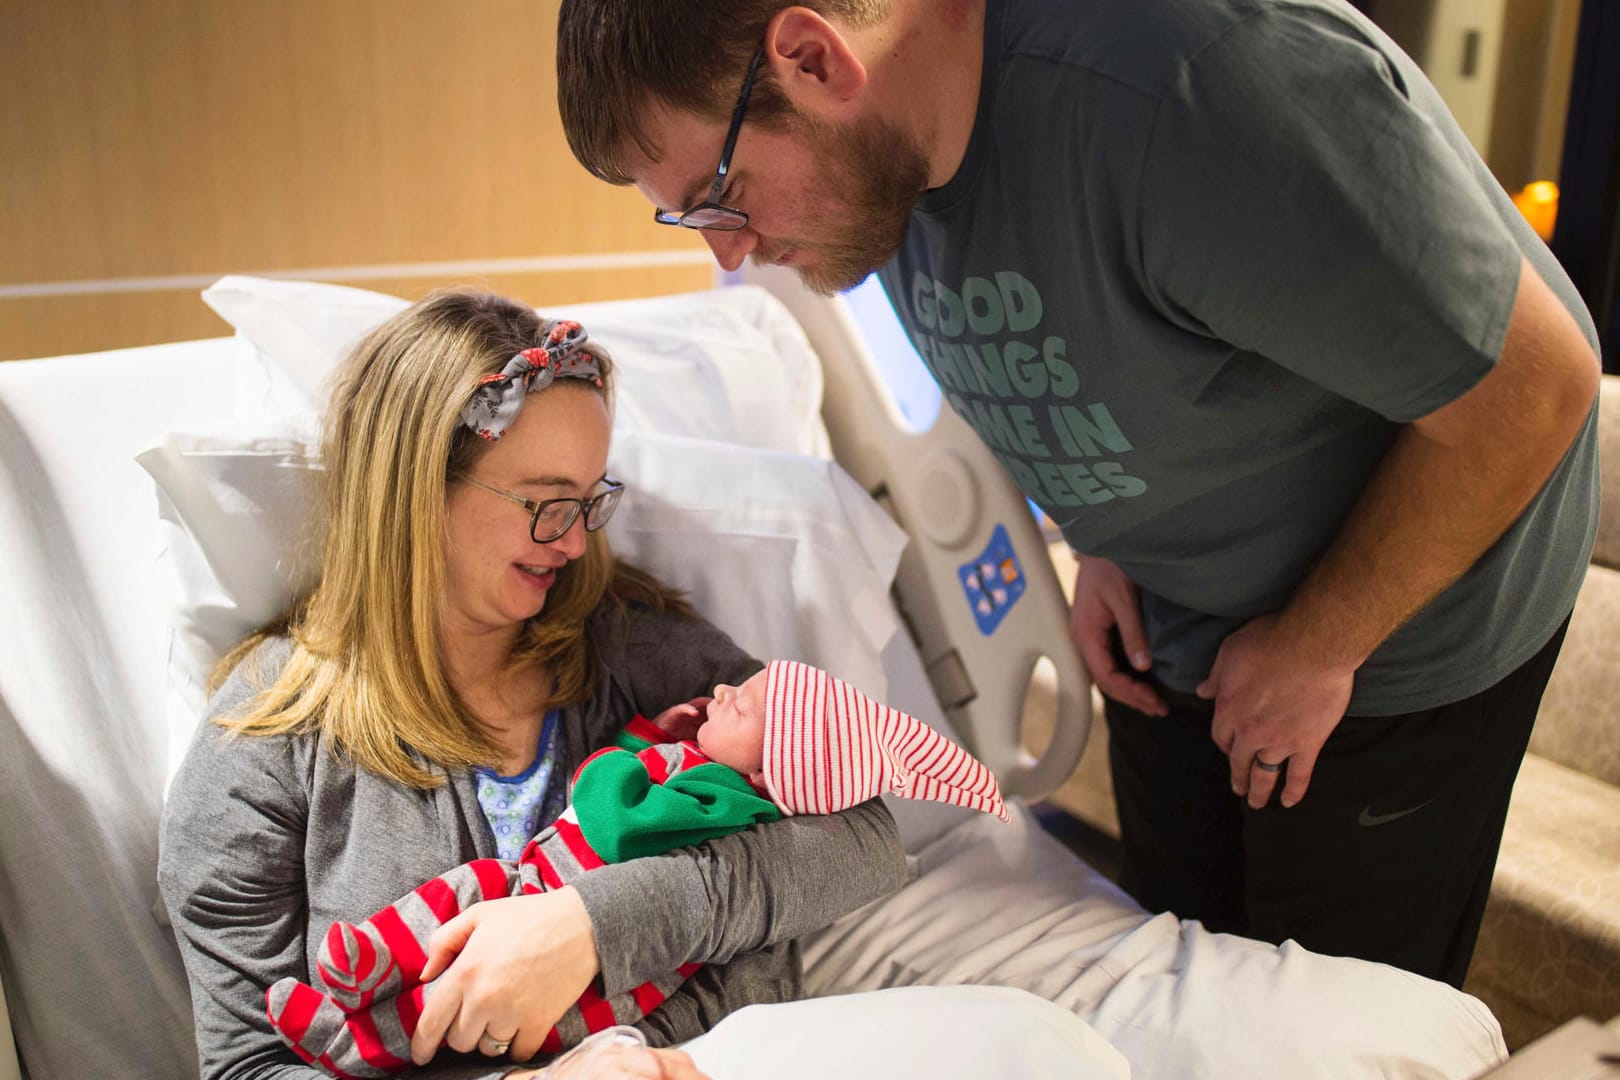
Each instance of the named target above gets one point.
<point>734,732</point>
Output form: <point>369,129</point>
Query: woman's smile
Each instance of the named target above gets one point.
<point>541,577</point>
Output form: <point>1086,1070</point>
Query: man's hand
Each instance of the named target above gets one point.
<point>682,721</point>
<point>1269,706</point>
<point>511,968</point>
<point>1104,598</point>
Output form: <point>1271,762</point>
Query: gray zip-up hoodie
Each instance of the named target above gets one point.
<point>267,841</point>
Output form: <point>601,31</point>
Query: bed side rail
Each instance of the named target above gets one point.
<point>975,584</point>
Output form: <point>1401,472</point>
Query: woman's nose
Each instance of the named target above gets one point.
<point>572,542</point>
<point>731,248</point>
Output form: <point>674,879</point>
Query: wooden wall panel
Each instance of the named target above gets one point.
<point>1532,92</point>
<point>67,325</point>
<point>1554,119</point>
<point>192,137</point>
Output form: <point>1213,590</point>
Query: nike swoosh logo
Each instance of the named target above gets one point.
<point>1368,819</point>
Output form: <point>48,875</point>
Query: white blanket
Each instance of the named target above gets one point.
<point>930,1033</point>
<point>1009,906</point>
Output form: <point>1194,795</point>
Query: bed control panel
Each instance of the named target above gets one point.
<point>993,581</point>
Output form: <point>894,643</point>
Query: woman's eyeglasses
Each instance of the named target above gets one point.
<point>551,518</point>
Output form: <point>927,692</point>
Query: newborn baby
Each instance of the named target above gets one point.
<point>789,740</point>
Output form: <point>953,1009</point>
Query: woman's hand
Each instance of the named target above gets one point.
<point>1104,598</point>
<point>511,968</point>
<point>629,1062</point>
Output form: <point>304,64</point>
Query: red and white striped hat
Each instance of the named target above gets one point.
<point>828,747</point>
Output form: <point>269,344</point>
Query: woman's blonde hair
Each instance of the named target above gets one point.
<point>367,669</point>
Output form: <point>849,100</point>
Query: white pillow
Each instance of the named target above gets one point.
<point>729,365</point>
<point>300,329</point>
<point>784,552</point>
<point>236,543</point>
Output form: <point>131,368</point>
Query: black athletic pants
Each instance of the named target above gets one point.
<point>1389,855</point>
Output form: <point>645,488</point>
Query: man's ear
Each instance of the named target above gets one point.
<point>814,65</point>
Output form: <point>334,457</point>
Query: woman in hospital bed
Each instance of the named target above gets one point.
<point>338,773</point>
<point>345,773</point>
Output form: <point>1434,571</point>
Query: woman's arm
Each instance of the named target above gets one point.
<point>715,991</point>
<point>231,871</point>
<point>769,884</point>
<point>636,921</point>
<point>230,866</point>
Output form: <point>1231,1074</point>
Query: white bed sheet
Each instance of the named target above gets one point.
<point>94,984</point>
<point>1009,906</point>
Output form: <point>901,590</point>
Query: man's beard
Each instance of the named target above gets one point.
<point>871,175</point>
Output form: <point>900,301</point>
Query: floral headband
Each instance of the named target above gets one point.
<point>495,404</point>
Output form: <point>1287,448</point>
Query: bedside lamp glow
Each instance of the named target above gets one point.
<point>1538,202</point>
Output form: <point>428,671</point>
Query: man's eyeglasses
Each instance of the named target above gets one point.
<point>554,517</point>
<point>710,214</point>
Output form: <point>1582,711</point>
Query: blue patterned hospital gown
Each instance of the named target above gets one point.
<point>519,806</point>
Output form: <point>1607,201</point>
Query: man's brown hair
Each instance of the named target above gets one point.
<point>614,57</point>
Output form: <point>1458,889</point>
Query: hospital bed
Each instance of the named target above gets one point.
<point>153,505</point>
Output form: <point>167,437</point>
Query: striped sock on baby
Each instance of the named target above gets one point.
<point>363,1045</point>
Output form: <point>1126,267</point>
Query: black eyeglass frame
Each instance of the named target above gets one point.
<point>597,509</point>
<point>711,213</point>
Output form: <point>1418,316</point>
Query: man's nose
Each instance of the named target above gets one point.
<point>731,248</point>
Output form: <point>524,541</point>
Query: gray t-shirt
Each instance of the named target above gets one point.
<point>1201,260</point>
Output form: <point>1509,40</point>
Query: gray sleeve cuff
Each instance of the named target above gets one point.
<point>767,884</point>
<point>642,914</point>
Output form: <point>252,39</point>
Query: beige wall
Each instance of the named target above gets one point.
<point>1514,104</point>
<point>186,138</point>
<point>1532,92</point>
